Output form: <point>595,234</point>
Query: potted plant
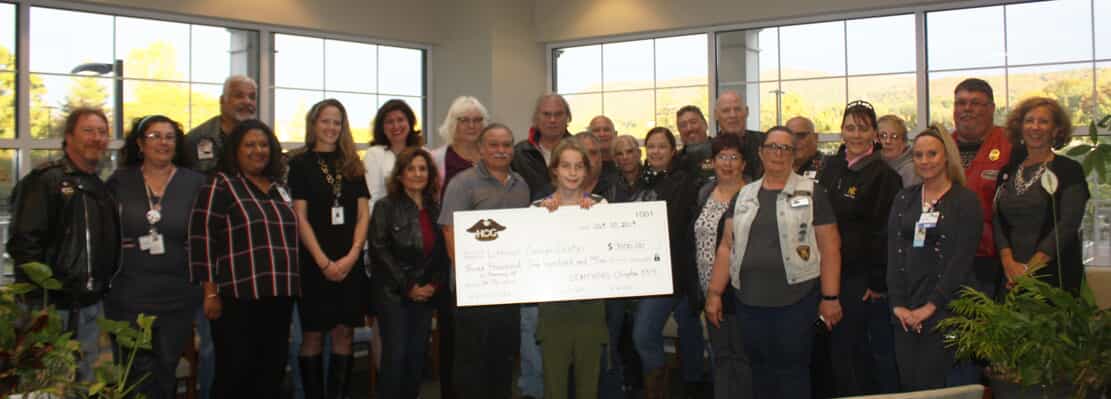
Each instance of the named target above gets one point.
<point>36,354</point>
<point>38,358</point>
<point>1040,340</point>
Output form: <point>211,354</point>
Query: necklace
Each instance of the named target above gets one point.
<point>335,181</point>
<point>154,212</point>
<point>1021,184</point>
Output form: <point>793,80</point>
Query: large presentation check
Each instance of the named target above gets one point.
<point>531,255</point>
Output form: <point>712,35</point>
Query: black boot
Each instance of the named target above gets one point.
<point>339,376</point>
<point>312,376</point>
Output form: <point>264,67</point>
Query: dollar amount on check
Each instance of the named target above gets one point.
<point>531,255</point>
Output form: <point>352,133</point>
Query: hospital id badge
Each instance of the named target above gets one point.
<point>919,235</point>
<point>152,242</point>
<point>337,215</point>
<point>204,149</point>
<point>799,202</point>
<point>284,194</point>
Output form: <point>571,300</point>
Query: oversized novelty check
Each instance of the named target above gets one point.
<point>531,255</point>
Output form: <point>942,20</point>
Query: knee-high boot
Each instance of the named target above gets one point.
<point>312,376</point>
<point>339,377</point>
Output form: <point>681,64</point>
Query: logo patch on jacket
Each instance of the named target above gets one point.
<point>67,188</point>
<point>851,192</point>
<point>803,251</point>
<point>994,154</point>
<point>486,230</point>
<point>990,174</point>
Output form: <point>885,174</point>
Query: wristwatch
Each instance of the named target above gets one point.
<point>829,297</point>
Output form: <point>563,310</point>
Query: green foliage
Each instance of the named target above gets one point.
<point>1094,155</point>
<point>36,353</point>
<point>1038,335</point>
<point>113,380</point>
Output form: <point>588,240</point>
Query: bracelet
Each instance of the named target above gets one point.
<point>210,296</point>
<point>829,297</point>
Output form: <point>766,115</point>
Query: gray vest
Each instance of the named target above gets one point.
<point>797,241</point>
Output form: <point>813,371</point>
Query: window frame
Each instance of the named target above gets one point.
<point>23,143</point>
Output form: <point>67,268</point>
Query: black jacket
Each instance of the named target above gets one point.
<point>678,189</point>
<point>54,209</point>
<point>861,196</point>
<point>397,248</point>
<point>529,163</point>
<point>936,271</point>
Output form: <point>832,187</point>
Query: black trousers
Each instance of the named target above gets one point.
<point>171,332</point>
<point>861,346</point>
<point>444,300</point>
<point>924,362</point>
<point>405,326</point>
<point>487,341</point>
<point>252,344</point>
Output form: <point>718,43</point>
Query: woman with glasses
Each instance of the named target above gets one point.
<point>861,187</point>
<point>896,152</point>
<point>662,179</point>
<point>779,256</point>
<point>1035,225</point>
<point>330,198</point>
<point>155,194</point>
<point>732,376</point>
<point>934,230</point>
<point>465,119</point>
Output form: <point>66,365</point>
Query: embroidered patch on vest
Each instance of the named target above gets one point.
<point>994,154</point>
<point>803,251</point>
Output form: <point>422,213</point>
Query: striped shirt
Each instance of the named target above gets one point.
<point>244,240</point>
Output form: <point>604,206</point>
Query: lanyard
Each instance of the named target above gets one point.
<point>154,214</point>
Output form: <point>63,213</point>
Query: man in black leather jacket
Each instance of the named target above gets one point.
<point>64,216</point>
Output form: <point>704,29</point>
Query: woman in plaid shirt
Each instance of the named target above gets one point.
<point>243,250</point>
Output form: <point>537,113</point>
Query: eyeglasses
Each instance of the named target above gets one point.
<point>973,104</point>
<point>469,121</point>
<point>728,157</point>
<point>778,149</point>
<point>161,137</point>
<point>553,115</point>
<point>891,136</point>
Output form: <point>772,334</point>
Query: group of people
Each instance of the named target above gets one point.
<point>818,275</point>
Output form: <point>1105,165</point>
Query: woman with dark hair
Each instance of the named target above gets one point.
<point>154,194</point>
<point>935,228</point>
<point>330,198</point>
<point>779,255</point>
<point>410,262</point>
<point>1035,225</point>
<point>394,131</point>
<point>732,376</point>
<point>243,250</point>
<point>861,188</point>
<point>662,179</point>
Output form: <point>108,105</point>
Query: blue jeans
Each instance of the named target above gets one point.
<point>881,335</point>
<point>87,334</point>
<point>531,380</point>
<point>611,381</point>
<point>648,336</point>
<point>206,354</point>
<point>778,342</point>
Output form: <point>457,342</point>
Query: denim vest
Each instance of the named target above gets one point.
<point>797,241</point>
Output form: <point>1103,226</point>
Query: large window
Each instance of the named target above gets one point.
<point>361,76</point>
<point>152,66</point>
<point>8,156</point>
<point>1023,50</point>
<point>813,70</point>
<point>638,84</point>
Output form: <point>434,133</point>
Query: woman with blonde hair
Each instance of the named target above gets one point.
<point>326,180</point>
<point>464,120</point>
<point>933,233</point>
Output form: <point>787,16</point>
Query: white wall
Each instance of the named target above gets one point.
<point>565,20</point>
